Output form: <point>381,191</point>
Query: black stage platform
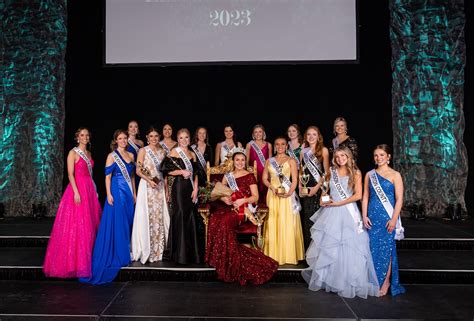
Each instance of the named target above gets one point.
<point>436,265</point>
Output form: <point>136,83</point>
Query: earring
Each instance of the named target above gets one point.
<point>388,162</point>
<point>264,135</point>
<point>253,136</point>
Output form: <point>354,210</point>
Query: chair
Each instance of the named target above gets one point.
<point>214,174</point>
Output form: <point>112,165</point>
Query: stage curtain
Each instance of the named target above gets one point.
<point>33,40</point>
<point>428,60</point>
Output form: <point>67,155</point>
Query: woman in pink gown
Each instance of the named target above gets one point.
<point>259,150</point>
<point>72,238</point>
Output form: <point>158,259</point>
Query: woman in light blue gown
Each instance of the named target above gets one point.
<point>339,257</point>
<point>384,228</point>
<point>112,245</point>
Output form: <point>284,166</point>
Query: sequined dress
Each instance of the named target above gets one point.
<point>382,243</point>
<point>70,246</point>
<point>309,205</point>
<point>235,262</point>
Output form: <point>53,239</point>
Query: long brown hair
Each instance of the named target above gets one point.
<point>298,130</point>
<point>153,129</point>
<point>351,164</point>
<point>195,138</point>
<point>113,143</point>
<point>76,136</point>
<point>319,144</point>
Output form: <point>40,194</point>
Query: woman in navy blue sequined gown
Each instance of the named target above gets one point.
<point>112,244</point>
<point>382,227</point>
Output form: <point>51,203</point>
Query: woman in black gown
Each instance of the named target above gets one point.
<point>182,246</point>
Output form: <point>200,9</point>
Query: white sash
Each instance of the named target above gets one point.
<point>226,147</point>
<point>351,207</point>
<point>292,154</point>
<point>399,229</point>
<point>155,160</point>
<point>312,163</point>
<point>167,150</point>
<point>88,162</point>
<point>200,156</point>
<point>229,176</point>
<point>123,169</point>
<point>134,146</point>
<point>295,202</point>
<point>259,152</point>
<point>187,163</point>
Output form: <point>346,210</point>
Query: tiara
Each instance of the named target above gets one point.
<point>238,150</point>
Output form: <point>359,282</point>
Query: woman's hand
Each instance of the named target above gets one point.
<point>391,225</point>
<point>313,190</point>
<point>227,200</point>
<point>77,198</point>
<point>239,202</point>
<point>367,222</point>
<point>152,184</point>
<point>273,189</point>
<point>110,200</point>
<point>186,174</point>
<point>194,195</point>
<point>286,195</point>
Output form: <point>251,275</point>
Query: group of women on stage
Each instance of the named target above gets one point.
<point>311,191</point>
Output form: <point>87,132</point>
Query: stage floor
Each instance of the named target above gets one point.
<point>42,300</point>
<point>436,266</point>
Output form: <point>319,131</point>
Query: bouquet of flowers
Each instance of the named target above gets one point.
<point>245,211</point>
<point>204,193</point>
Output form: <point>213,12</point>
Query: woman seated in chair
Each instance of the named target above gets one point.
<point>234,261</point>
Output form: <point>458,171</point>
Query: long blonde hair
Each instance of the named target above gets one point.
<point>351,164</point>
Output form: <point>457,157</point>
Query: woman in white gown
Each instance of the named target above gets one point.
<point>339,256</point>
<point>151,221</point>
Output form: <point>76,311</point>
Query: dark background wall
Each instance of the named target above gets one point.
<point>105,98</point>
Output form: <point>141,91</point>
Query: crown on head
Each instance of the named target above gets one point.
<point>238,150</point>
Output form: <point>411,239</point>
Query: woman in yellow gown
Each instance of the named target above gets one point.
<point>283,233</point>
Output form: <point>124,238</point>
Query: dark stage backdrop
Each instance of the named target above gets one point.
<point>104,99</point>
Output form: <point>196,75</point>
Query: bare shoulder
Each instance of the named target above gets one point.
<point>325,151</point>
<point>130,154</point>
<point>173,153</point>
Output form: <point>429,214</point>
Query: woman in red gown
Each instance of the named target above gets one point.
<point>234,261</point>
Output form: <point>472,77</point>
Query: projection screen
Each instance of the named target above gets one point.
<point>227,31</point>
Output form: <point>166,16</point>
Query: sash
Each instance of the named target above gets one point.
<point>155,159</point>
<point>88,162</point>
<point>351,207</point>
<point>134,146</point>
<point>399,229</point>
<point>187,163</point>
<point>123,169</point>
<point>292,154</point>
<point>200,156</point>
<point>167,150</point>
<point>226,147</point>
<point>259,152</point>
<point>229,176</point>
<point>335,143</point>
<point>312,163</point>
<point>295,202</point>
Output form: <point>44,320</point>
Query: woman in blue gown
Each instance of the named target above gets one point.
<point>112,244</point>
<point>339,257</point>
<point>383,227</point>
